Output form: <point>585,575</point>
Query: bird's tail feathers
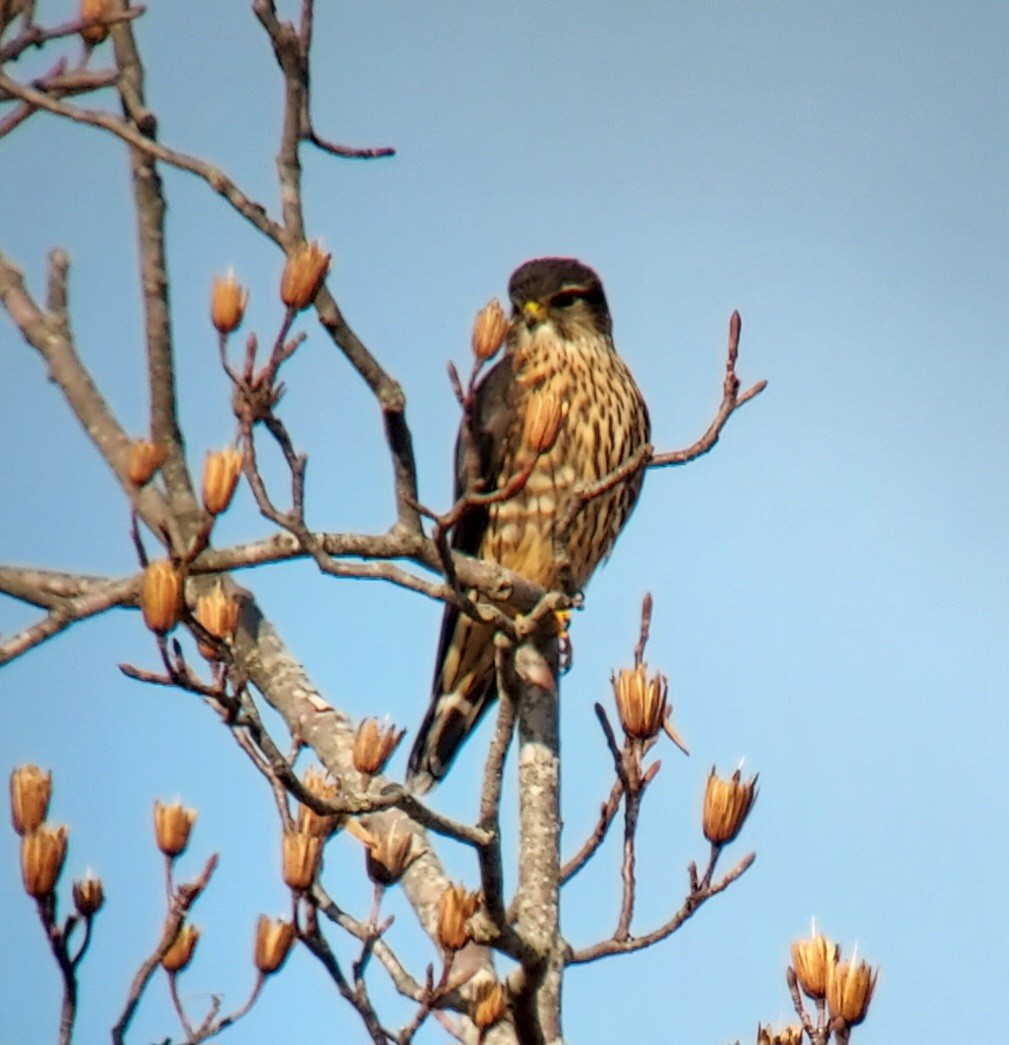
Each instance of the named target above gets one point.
<point>464,688</point>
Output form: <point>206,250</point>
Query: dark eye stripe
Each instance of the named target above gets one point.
<point>591,295</point>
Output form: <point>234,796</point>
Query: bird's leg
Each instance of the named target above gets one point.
<point>563,618</point>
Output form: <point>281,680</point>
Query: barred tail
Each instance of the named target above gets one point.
<point>464,688</point>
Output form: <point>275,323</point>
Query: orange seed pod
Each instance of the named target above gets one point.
<point>42,854</point>
<point>146,457</point>
<point>543,421</point>
<point>94,34</point>
<point>160,596</point>
<point>302,856</point>
<point>228,299</point>
<point>489,330</point>
<point>30,791</point>
<point>221,471</point>
<point>373,746</point>
<point>172,825</point>
<point>455,908</point>
<point>273,943</point>
<point>88,895</point>
<point>218,613</point>
<point>304,272</point>
<point>180,954</point>
<point>727,803</point>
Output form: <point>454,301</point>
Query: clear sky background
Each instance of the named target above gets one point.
<point>830,583</point>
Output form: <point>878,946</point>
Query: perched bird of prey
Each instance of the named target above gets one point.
<point>559,344</point>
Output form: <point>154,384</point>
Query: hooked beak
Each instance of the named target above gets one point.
<point>533,312</point>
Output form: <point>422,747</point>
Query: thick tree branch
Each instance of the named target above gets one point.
<point>49,335</point>
<point>149,207</point>
<point>66,610</point>
<point>72,597</point>
<point>291,50</point>
<point>533,674</point>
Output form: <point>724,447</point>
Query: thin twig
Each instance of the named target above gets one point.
<point>632,806</point>
<point>607,813</point>
<point>183,900</point>
<point>180,1009</point>
<point>358,998</point>
<point>732,400</point>
<point>249,209</point>
<point>695,899</point>
<point>401,978</point>
<point>800,1009</point>
<point>59,944</point>
<point>33,35</point>
<point>646,624</point>
<point>59,83</point>
<point>347,151</point>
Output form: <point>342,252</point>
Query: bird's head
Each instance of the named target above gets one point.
<point>561,292</point>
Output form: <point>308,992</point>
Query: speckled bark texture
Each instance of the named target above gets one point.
<point>537,1015</point>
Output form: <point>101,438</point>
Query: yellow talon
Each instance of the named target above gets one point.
<point>563,619</point>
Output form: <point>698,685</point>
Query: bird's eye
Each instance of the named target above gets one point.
<point>565,299</point>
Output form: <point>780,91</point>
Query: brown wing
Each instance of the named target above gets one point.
<point>464,684</point>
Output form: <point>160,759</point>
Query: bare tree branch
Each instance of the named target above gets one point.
<point>695,899</point>
<point>48,334</point>
<point>184,898</point>
<point>249,209</point>
<point>33,35</point>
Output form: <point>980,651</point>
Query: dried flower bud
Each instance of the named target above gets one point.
<point>811,960</point>
<point>180,954</point>
<point>543,421</point>
<point>304,272</point>
<point>145,459</point>
<point>88,895</point>
<point>94,34</point>
<point>161,596</point>
<point>850,987</point>
<point>302,855</point>
<point>641,701</point>
<point>30,790</point>
<point>42,854</point>
<point>726,806</point>
<point>643,705</point>
<point>489,330</point>
<point>218,613</point>
<point>387,856</point>
<point>455,908</point>
<point>172,824</point>
<point>228,299</point>
<point>791,1035</point>
<point>322,825</point>
<point>220,477</point>
<point>490,1003</point>
<point>373,747</point>
<point>273,943</point>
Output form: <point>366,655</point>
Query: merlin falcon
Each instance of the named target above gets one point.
<point>560,343</point>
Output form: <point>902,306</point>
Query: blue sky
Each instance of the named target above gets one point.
<point>830,584</point>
